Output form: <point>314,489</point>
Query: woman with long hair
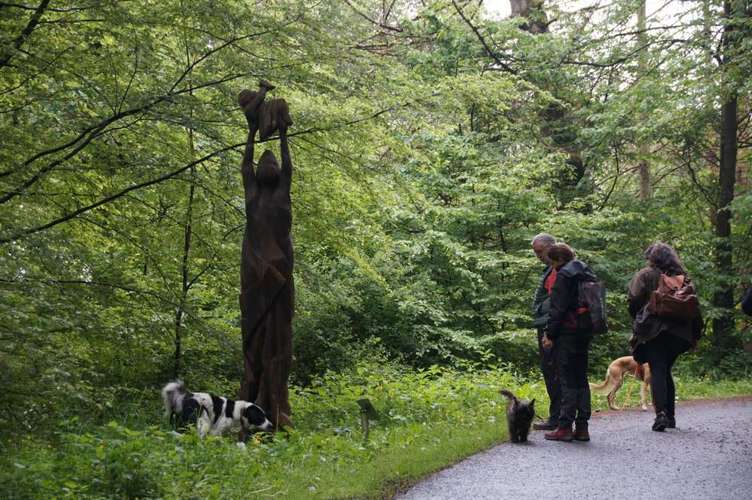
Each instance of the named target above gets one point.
<point>666,338</point>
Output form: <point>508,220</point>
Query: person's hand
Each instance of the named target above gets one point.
<point>547,342</point>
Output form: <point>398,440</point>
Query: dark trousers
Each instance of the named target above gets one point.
<point>572,363</point>
<point>551,377</point>
<point>661,353</point>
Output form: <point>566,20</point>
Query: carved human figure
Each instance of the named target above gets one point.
<point>266,281</point>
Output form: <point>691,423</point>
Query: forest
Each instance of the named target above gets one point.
<point>431,140</point>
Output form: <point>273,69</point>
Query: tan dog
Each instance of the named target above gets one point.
<point>618,368</point>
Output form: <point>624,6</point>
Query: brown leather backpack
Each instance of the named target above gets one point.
<point>674,298</point>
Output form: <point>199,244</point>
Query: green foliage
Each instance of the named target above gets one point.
<point>324,456</point>
<point>429,147</point>
<point>427,419</point>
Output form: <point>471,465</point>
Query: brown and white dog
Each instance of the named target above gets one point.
<point>618,368</point>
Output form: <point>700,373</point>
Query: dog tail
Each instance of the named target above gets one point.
<point>508,394</point>
<point>603,388</point>
<point>172,396</point>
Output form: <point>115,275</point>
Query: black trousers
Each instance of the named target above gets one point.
<point>550,377</point>
<point>661,353</point>
<point>572,363</point>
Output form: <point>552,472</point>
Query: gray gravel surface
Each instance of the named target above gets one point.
<point>708,457</point>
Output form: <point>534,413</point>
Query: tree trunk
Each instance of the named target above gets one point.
<point>644,168</point>
<point>558,119</point>
<point>187,234</point>
<point>724,295</point>
<point>723,299</point>
<point>643,147</point>
<point>184,269</point>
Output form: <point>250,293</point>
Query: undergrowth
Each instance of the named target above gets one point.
<point>427,420</point>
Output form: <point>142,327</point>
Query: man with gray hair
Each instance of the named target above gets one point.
<point>547,355</point>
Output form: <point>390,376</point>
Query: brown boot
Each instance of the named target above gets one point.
<point>581,431</point>
<point>560,434</point>
<point>546,425</point>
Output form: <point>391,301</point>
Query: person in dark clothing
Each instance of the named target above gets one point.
<point>662,343</point>
<point>571,336</point>
<point>547,356</point>
<point>747,301</point>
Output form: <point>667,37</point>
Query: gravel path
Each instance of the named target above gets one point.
<point>709,457</point>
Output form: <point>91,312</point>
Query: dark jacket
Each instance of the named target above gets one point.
<point>562,318</point>
<point>747,301</point>
<point>541,304</point>
<point>640,288</point>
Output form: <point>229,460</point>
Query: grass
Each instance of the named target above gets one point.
<point>428,420</point>
<point>687,388</point>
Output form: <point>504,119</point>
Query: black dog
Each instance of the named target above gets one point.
<point>519,417</point>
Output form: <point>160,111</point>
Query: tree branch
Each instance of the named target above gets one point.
<point>616,180</point>
<point>491,53</point>
<point>93,131</point>
<point>52,282</point>
<point>71,215</point>
<point>20,39</point>
<point>373,21</point>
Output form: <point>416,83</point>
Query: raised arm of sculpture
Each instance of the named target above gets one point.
<point>285,150</point>
<point>251,104</point>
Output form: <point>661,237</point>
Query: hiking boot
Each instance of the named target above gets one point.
<point>661,422</point>
<point>560,434</point>
<point>671,423</point>
<point>581,431</point>
<point>545,426</point>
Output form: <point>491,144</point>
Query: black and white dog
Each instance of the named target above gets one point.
<point>212,414</point>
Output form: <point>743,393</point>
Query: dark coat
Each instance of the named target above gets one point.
<point>646,327</point>
<point>747,301</point>
<point>562,318</point>
<point>541,303</point>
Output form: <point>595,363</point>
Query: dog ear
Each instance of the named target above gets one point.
<point>255,415</point>
<point>532,402</point>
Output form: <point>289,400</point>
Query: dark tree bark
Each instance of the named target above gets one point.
<point>266,280</point>
<point>724,296</point>
<point>184,271</point>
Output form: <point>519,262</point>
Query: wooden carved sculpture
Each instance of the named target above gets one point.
<point>266,281</point>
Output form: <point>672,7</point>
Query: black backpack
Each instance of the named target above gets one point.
<point>591,310</point>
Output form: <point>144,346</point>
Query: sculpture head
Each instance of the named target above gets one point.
<point>268,169</point>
